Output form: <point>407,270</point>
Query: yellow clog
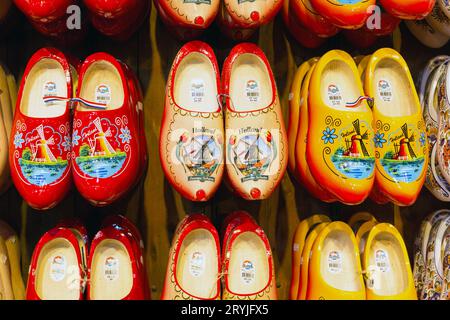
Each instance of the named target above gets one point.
<point>306,253</point>
<point>340,150</point>
<point>363,233</point>
<point>358,219</point>
<point>335,267</point>
<point>294,109</point>
<point>400,138</point>
<point>386,262</point>
<point>302,167</point>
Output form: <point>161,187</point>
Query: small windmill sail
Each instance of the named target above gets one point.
<point>407,140</point>
<point>102,145</point>
<point>42,152</point>
<point>360,138</point>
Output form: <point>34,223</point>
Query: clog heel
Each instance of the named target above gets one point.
<point>340,150</point>
<point>387,266</point>
<point>298,243</point>
<point>256,141</point>
<point>335,267</point>
<point>400,138</point>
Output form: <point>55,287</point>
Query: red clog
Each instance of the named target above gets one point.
<point>232,221</point>
<point>192,134</point>
<point>115,267</point>
<point>311,19</point>
<point>40,146</point>
<point>105,142</point>
<point>408,9</point>
<point>56,271</point>
<point>117,18</point>
<point>346,14</point>
<point>193,270</point>
<point>247,266</point>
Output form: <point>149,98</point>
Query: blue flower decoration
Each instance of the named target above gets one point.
<point>379,140</point>
<point>329,135</point>
<point>18,140</point>
<point>125,135</point>
<point>422,139</point>
<point>66,143</point>
<point>75,138</point>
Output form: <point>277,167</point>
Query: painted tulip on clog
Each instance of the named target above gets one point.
<point>400,139</point>
<point>408,9</point>
<point>340,150</point>
<point>347,14</point>
<point>40,144</point>
<point>56,271</point>
<point>194,261</point>
<point>191,139</point>
<point>114,268</point>
<point>247,266</point>
<point>256,141</point>
<point>254,13</point>
<point>302,167</point>
<point>426,34</point>
<point>311,19</point>
<point>105,137</point>
<point>386,262</point>
<point>335,267</point>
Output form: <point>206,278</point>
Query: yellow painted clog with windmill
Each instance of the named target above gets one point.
<point>298,243</point>
<point>386,262</point>
<point>340,150</point>
<point>335,267</point>
<point>400,137</point>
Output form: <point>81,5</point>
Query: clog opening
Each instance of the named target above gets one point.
<point>197,264</point>
<point>248,269</point>
<point>393,92</point>
<point>111,271</point>
<point>339,86</point>
<point>102,84</point>
<point>388,264</point>
<point>195,84</point>
<point>57,271</point>
<point>339,266</point>
<point>250,84</point>
<point>46,78</point>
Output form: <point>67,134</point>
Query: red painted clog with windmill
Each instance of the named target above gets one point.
<point>40,146</point>
<point>105,139</point>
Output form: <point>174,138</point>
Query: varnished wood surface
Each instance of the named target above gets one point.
<point>154,206</point>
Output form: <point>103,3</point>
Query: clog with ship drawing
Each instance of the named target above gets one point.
<point>256,141</point>
<point>334,265</point>
<point>386,262</point>
<point>340,151</point>
<point>40,143</point>
<point>408,9</point>
<point>400,139</point>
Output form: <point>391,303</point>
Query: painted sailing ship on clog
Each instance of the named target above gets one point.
<point>40,144</point>
<point>191,139</point>
<point>408,9</point>
<point>400,138</point>
<point>256,148</point>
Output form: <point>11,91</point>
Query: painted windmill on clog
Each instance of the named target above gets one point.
<point>357,147</point>
<point>100,145</point>
<point>405,152</point>
<point>41,150</point>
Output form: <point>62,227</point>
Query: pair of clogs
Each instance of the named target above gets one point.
<point>434,30</point>
<point>348,137</point>
<point>194,143</point>
<point>431,257</point>
<point>326,261</point>
<point>111,267</point>
<point>103,151</point>
<point>198,269</point>
<point>434,97</point>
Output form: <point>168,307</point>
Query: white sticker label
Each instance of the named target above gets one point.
<point>197,90</point>
<point>57,268</point>
<point>49,89</point>
<point>111,268</point>
<point>103,94</point>
<point>385,90</point>
<point>197,264</point>
<point>248,272</point>
<point>335,262</point>
<point>252,91</point>
<point>382,261</point>
<point>334,95</point>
